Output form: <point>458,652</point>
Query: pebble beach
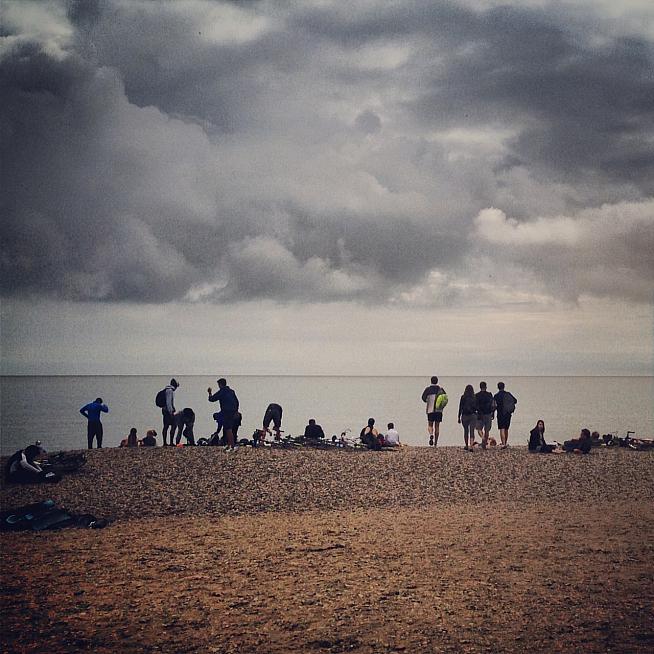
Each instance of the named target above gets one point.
<point>420,549</point>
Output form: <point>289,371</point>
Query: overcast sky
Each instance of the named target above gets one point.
<point>356,187</point>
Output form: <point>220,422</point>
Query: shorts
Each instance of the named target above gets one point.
<point>228,420</point>
<point>273,416</point>
<point>484,421</point>
<point>168,419</point>
<point>503,420</point>
<point>436,416</point>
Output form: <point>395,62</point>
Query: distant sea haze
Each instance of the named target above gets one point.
<point>47,408</point>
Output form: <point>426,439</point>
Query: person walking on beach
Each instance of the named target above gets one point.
<point>484,413</point>
<point>228,408</point>
<point>273,414</point>
<point>166,400</point>
<point>505,406</point>
<point>91,412</point>
<point>467,416</point>
<point>434,415</point>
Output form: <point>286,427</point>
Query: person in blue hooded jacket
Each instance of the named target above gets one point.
<point>91,412</point>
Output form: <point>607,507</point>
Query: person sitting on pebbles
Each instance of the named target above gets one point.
<point>131,440</point>
<point>370,436</point>
<point>392,438</point>
<point>537,440</point>
<point>150,439</point>
<point>579,445</point>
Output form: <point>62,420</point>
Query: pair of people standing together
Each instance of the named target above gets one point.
<point>476,411</point>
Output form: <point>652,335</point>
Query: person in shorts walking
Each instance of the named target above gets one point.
<point>505,406</point>
<point>434,416</point>
<point>484,413</point>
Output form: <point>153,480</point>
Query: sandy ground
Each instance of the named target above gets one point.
<point>422,551</point>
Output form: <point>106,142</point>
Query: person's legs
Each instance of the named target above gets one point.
<point>430,431</point>
<point>468,423</point>
<point>437,426</point>
<point>168,423</point>
<point>228,426</point>
<point>98,435</point>
<point>90,432</point>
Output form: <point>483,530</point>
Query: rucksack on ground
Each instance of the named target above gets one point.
<point>160,399</point>
<point>508,403</point>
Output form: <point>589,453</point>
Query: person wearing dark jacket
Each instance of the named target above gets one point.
<point>313,431</point>
<point>581,445</point>
<point>467,416</point>
<point>484,413</point>
<point>537,439</point>
<point>505,404</point>
<point>370,436</point>
<point>21,468</point>
<point>228,408</point>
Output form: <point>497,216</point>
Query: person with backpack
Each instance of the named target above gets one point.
<point>484,413</point>
<point>505,404</point>
<point>91,412</point>
<point>228,408</point>
<point>165,400</point>
<point>467,416</point>
<point>434,409</point>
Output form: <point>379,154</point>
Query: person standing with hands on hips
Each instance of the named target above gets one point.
<point>228,407</point>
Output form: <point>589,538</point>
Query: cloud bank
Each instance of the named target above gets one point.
<point>219,152</point>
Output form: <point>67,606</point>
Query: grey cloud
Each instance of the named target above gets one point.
<point>151,160</point>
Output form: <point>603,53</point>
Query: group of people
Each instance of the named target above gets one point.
<point>476,412</point>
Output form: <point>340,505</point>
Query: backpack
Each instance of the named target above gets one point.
<point>441,401</point>
<point>160,399</point>
<point>508,403</point>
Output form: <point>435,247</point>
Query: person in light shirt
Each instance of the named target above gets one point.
<point>392,438</point>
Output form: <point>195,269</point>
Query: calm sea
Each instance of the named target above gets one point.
<point>47,408</point>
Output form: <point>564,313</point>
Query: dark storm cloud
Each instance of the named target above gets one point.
<point>226,151</point>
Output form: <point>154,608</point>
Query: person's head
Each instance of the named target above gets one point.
<point>595,435</point>
<point>98,400</point>
<point>151,433</point>
<point>222,382</point>
<point>434,380</point>
<point>174,383</point>
<point>132,431</point>
<point>312,421</point>
<point>371,422</point>
<point>585,434</point>
<point>391,425</point>
<point>500,385</point>
<point>482,385</point>
<point>469,390</point>
<point>540,425</point>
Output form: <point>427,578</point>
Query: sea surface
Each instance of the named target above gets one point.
<point>47,408</point>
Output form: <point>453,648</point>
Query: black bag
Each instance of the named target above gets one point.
<point>160,399</point>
